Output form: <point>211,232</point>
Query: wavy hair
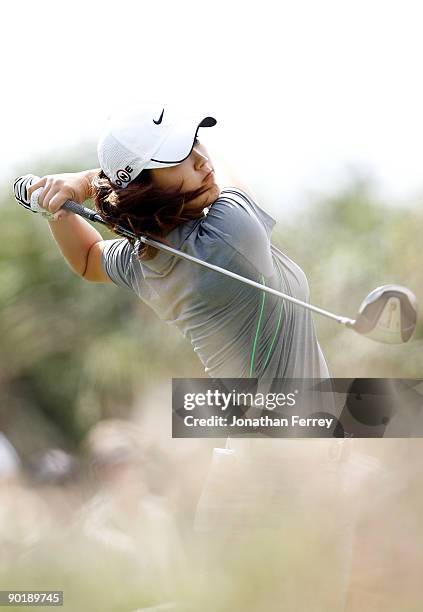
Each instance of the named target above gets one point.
<point>144,208</point>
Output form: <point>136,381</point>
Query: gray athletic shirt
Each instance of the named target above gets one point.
<point>236,330</point>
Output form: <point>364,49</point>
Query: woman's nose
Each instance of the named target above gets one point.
<point>200,160</point>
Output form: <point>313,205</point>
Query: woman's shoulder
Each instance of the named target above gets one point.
<point>233,222</point>
<point>240,200</point>
<point>241,189</point>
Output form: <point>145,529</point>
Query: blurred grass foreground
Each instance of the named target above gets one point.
<point>97,500</point>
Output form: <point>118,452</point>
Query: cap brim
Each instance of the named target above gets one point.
<point>179,143</point>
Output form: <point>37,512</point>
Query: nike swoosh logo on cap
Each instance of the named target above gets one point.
<point>160,119</point>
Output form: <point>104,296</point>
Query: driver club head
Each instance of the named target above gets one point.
<point>388,314</point>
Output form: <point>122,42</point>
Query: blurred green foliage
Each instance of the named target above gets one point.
<point>73,352</point>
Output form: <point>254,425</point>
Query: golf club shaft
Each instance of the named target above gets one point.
<point>93,216</point>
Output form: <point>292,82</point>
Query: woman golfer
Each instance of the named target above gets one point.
<point>158,179</point>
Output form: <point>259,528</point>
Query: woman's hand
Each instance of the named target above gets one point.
<point>57,188</point>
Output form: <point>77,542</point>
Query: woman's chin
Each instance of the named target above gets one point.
<point>214,192</point>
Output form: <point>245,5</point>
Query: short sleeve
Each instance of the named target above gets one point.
<point>234,221</point>
<point>264,217</point>
<point>117,262</point>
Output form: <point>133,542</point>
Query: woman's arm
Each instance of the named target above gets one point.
<point>75,237</point>
<point>73,234</point>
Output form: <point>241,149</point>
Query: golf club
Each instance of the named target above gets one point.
<point>388,314</point>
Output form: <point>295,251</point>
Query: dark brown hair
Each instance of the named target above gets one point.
<point>144,209</point>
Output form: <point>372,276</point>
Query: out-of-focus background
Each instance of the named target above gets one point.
<point>319,112</point>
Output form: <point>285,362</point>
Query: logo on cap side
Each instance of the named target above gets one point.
<point>123,176</point>
<point>159,120</point>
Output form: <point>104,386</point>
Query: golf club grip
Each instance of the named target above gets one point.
<point>20,190</point>
<point>81,210</point>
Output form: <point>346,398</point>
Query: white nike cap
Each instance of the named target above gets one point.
<point>150,136</point>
